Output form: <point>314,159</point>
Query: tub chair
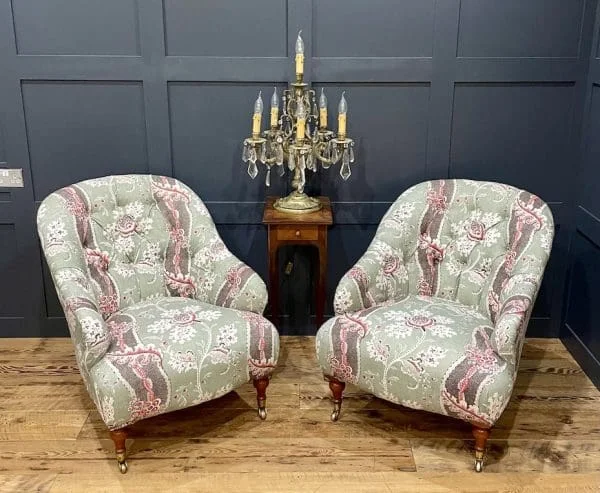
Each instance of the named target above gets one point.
<point>433,316</point>
<point>162,315</point>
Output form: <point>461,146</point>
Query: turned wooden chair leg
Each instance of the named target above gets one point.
<point>261,385</point>
<point>481,435</point>
<point>337,389</point>
<point>119,437</point>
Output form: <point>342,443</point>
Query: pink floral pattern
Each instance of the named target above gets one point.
<point>446,335</point>
<point>157,306</point>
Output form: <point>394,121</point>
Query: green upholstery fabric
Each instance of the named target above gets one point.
<point>162,315</point>
<point>186,352</point>
<point>433,316</point>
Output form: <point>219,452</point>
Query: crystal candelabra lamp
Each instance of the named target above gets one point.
<point>298,138</point>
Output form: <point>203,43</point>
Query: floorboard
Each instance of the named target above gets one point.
<point>53,440</point>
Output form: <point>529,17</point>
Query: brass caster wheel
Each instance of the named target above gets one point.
<point>262,413</point>
<point>123,467</point>
<point>337,408</point>
<point>479,456</point>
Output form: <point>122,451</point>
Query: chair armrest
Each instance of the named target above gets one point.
<point>66,260</point>
<point>379,276</point>
<point>224,280</point>
<point>515,303</point>
<point>87,327</point>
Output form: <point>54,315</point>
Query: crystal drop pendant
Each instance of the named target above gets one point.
<point>268,178</point>
<point>335,155</point>
<point>351,154</point>
<point>302,162</point>
<point>245,153</point>
<point>327,155</point>
<point>345,171</point>
<point>291,162</point>
<point>279,155</point>
<point>252,155</point>
<point>252,169</point>
<point>263,153</point>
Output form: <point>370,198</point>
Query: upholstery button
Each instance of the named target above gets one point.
<point>297,232</point>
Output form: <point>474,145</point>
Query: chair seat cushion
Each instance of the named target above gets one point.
<point>169,353</point>
<point>422,352</point>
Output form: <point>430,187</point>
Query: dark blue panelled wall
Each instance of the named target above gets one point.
<point>581,321</point>
<point>484,89</point>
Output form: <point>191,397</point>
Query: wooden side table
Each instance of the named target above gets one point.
<point>298,229</point>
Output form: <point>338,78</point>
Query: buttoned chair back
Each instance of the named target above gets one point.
<point>482,244</point>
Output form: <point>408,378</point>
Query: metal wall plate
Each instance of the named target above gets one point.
<point>12,178</point>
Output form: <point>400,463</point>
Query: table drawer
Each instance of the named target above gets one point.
<point>298,233</point>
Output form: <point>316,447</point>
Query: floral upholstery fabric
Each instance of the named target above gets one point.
<point>433,316</point>
<point>172,352</point>
<point>149,288</point>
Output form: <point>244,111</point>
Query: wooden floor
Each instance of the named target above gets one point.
<point>52,438</point>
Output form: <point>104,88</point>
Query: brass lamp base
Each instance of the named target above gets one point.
<point>297,203</point>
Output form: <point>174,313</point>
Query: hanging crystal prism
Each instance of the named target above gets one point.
<point>253,156</point>
<point>286,126</point>
<point>252,169</point>
<point>351,154</point>
<point>291,161</point>
<point>263,152</point>
<point>326,154</point>
<point>279,154</point>
<point>245,153</point>
<point>345,171</point>
<point>335,155</point>
<point>268,178</point>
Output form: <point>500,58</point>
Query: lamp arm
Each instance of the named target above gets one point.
<point>317,152</point>
<point>270,161</point>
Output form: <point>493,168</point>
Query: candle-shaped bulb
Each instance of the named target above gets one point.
<point>343,106</point>
<point>274,108</point>
<point>300,121</point>
<point>258,104</point>
<point>256,118</point>
<point>323,110</point>
<point>342,110</point>
<point>299,44</point>
<point>299,56</point>
<point>322,99</point>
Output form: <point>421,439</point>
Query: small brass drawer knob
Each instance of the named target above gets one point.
<point>297,232</point>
